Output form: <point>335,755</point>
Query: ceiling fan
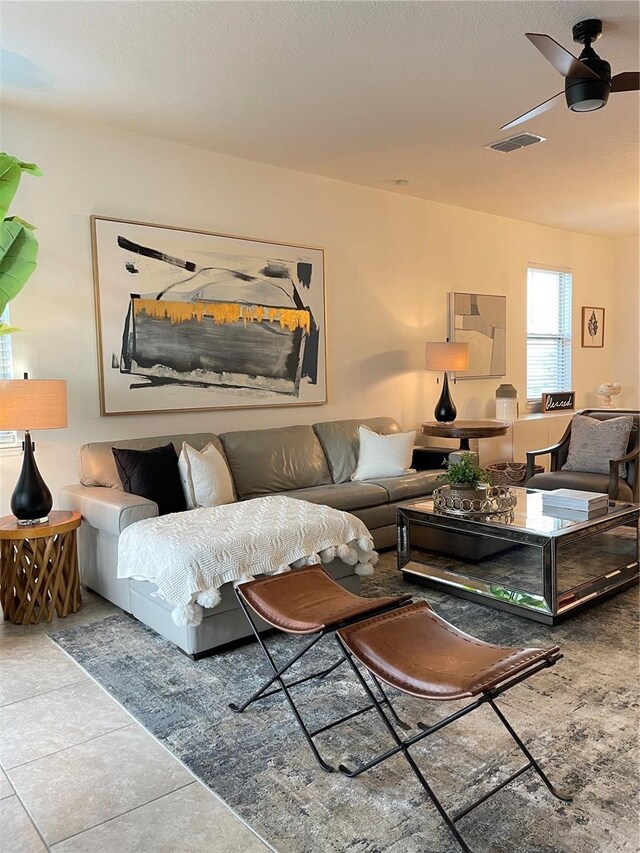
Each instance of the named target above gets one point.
<point>588,79</point>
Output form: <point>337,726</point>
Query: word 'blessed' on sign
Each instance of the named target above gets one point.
<point>558,401</point>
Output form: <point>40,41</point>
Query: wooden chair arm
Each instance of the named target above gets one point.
<point>614,471</point>
<point>552,449</point>
<point>628,458</point>
<point>531,457</point>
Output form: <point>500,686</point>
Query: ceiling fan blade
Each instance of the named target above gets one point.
<point>536,111</point>
<point>626,81</point>
<point>561,59</point>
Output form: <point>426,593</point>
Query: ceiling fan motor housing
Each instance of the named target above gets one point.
<point>587,31</point>
<point>584,94</point>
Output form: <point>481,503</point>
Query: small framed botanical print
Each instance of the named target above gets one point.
<point>592,327</point>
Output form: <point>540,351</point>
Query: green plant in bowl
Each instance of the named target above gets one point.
<point>464,473</point>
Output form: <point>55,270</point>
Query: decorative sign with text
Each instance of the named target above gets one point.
<point>558,401</point>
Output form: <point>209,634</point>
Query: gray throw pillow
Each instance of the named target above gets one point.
<point>593,443</point>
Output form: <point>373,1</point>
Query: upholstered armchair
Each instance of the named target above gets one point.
<point>617,486</point>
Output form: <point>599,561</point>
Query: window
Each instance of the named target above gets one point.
<point>6,372</point>
<point>548,332</point>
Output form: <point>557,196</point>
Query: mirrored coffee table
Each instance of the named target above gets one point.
<point>539,566</point>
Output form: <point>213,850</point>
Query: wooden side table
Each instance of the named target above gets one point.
<point>39,568</point>
<point>464,430</point>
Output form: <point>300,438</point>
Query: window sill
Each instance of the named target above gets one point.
<point>11,449</point>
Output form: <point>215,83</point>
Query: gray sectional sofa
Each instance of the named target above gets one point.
<point>312,463</point>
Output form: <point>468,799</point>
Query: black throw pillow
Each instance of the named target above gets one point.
<point>152,474</point>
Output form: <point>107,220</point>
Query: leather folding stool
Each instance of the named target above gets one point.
<point>308,602</point>
<point>422,655</point>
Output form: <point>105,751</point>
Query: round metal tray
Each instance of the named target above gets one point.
<point>499,500</point>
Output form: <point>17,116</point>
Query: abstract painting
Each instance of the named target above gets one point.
<point>481,321</point>
<point>592,327</point>
<point>195,320</point>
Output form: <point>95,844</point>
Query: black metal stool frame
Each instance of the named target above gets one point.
<point>403,746</point>
<point>284,687</point>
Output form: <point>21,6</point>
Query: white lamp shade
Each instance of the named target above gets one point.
<point>446,355</point>
<point>33,404</point>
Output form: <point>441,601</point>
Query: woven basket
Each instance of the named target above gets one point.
<point>510,473</point>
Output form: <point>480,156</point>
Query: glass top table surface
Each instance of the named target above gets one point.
<point>528,514</point>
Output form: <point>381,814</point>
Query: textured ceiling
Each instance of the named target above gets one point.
<point>359,91</point>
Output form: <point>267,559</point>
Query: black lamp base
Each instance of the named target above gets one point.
<point>445,410</point>
<point>31,499</point>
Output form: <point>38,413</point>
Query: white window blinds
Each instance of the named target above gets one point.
<point>6,372</point>
<point>548,332</point>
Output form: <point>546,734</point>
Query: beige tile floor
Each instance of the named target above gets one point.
<point>79,775</point>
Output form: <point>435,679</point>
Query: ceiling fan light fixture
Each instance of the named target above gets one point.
<point>585,96</point>
<point>587,106</point>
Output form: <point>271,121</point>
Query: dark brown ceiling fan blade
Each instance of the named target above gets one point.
<point>536,111</point>
<point>561,59</point>
<point>626,81</point>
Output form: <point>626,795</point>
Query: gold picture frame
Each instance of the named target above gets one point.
<point>194,320</point>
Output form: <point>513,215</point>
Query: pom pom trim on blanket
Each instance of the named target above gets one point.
<point>190,555</point>
<point>364,560</point>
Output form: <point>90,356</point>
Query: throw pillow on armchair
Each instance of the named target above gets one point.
<point>594,442</point>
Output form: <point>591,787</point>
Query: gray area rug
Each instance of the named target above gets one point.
<point>579,718</point>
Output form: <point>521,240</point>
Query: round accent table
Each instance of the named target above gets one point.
<point>39,568</point>
<point>464,430</point>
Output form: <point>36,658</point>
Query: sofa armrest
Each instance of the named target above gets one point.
<point>614,470</point>
<point>110,510</point>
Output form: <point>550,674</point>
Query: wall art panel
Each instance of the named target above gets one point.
<point>196,320</point>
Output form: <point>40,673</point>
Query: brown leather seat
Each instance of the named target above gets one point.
<point>305,601</point>
<point>416,651</point>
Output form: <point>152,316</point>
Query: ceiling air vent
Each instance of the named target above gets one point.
<point>513,143</point>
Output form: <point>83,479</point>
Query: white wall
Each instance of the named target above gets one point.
<point>626,322</point>
<point>390,261</point>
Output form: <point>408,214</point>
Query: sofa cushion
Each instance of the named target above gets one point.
<point>377,516</point>
<point>420,484</point>
<point>341,443</point>
<point>384,455</point>
<point>152,474</point>
<point>551,480</point>
<point>205,476</point>
<point>344,496</point>
<point>267,461</point>
<point>98,467</point>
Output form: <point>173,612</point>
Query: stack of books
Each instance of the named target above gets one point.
<point>574,504</point>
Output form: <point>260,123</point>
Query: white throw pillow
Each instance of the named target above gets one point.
<point>205,478</point>
<point>384,455</point>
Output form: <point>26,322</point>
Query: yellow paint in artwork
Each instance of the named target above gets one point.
<point>223,312</point>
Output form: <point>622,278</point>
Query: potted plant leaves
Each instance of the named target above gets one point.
<point>467,481</point>
<point>18,244</point>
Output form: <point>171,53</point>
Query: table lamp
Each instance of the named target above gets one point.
<point>32,404</point>
<point>446,355</point>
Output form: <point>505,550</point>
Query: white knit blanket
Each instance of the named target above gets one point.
<point>189,555</point>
